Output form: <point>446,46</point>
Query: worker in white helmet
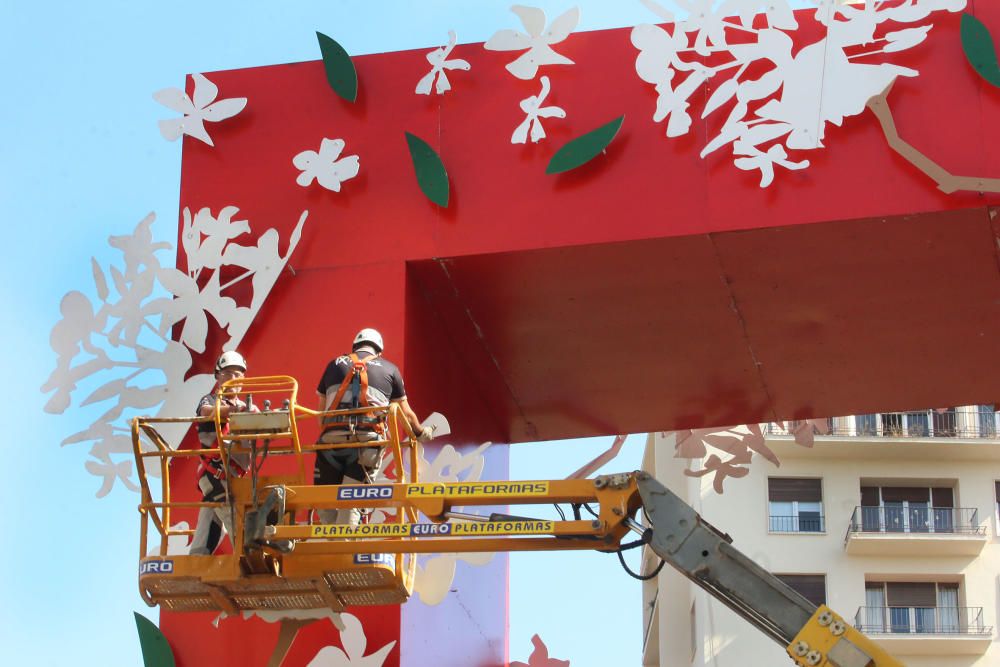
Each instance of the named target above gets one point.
<point>214,522</point>
<point>359,379</point>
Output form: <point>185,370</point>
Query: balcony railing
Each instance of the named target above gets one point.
<point>802,523</point>
<point>919,520</point>
<point>953,423</point>
<point>922,620</point>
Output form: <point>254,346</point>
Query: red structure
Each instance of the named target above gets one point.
<point>650,289</point>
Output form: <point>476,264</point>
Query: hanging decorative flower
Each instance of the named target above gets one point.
<point>202,108</point>
<point>326,166</point>
<point>438,58</point>
<point>535,39</point>
<point>532,106</point>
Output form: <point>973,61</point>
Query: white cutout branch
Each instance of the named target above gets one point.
<point>532,106</point>
<point>788,107</point>
<point>599,462</point>
<point>536,39</point>
<point>123,345</point>
<point>202,108</point>
<point>946,181</point>
<point>435,574</point>
<point>326,166</point>
<point>438,58</point>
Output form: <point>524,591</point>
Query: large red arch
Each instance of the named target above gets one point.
<point>648,290</point>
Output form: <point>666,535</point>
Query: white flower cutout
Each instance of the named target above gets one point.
<point>326,166</point>
<point>532,106</point>
<point>438,58</point>
<point>537,41</point>
<point>353,654</point>
<point>203,108</point>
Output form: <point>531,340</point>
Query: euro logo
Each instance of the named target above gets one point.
<point>156,567</point>
<point>374,559</point>
<point>364,492</point>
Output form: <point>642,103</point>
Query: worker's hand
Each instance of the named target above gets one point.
<point>425,434</point>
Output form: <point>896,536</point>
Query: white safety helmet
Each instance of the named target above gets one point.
<point>231,358</point>
<point>369,336</point>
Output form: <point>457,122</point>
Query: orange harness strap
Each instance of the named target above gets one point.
<point>359,368</point>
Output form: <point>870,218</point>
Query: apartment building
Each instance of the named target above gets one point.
<point>891,520</point>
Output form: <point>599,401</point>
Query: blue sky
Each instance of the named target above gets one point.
<point>82,159</point>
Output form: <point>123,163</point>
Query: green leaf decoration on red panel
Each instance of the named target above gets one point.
<point>340,70</point>
<point>979,50</point>
<point>155,649</point>
<point>584,148</point>
<point>431,175</point>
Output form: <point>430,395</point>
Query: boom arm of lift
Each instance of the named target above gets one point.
<point>813,636</point>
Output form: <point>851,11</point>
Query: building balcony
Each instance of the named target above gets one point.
<point>806,522</point>
<point>929,531</point>
<point>969,422</point>
<point>926,630</point>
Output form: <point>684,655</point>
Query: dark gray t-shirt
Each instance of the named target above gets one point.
<point>385,383</point>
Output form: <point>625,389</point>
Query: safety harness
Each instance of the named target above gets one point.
<point>357,381</point>
<point>211,464</point>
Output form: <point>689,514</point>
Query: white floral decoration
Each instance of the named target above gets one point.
<point>435,573</point>
<point>438,58</point>
<point>124,345</point>
<point>355,643</point>
<point>177,545</point>
<point>787,107</point>
<point>326,166</point>
<point>203,108</point>
<point>740,443</point>
<point>536,39</point>
<point>532,106</point>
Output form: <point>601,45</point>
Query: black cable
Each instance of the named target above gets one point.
<point>647,535</point>
<point>576,510</point>
<point>592,512</point>
<point>640,577</point>
<point>560,510</point>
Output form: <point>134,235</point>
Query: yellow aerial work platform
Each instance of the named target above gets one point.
<point>336,566</point>
<point>282,560</point>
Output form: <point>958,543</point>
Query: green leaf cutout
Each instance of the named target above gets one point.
<point>155,649</point>
<point>340,70</point>
<point>584,148</point>
<point>431,175</point>
<point>978,46</point>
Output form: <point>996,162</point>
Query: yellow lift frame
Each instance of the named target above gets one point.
<point>336,566</point>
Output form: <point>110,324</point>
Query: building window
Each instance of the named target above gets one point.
<point>916,607</point>
<point>810,586</point>
<point>997,484</point>
<point>987,421</point>
<point>911,509</point>
<point>795,505</point>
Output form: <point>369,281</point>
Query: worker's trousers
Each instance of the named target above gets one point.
<point>213,522</point>
<point>345,466</point>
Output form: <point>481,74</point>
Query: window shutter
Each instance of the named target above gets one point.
<point>783,489</point>
<point>869,496</point>
<point>913,494</point>
<point>943,497</point>
<point>810,586</point>
<point>910,594</point>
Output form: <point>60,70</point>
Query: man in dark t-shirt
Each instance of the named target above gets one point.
<point>358,465</point>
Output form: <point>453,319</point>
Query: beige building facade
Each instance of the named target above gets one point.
<point>892,521</point>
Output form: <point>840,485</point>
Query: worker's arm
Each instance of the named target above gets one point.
<point>228,405</point>
<point>411,416</point>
